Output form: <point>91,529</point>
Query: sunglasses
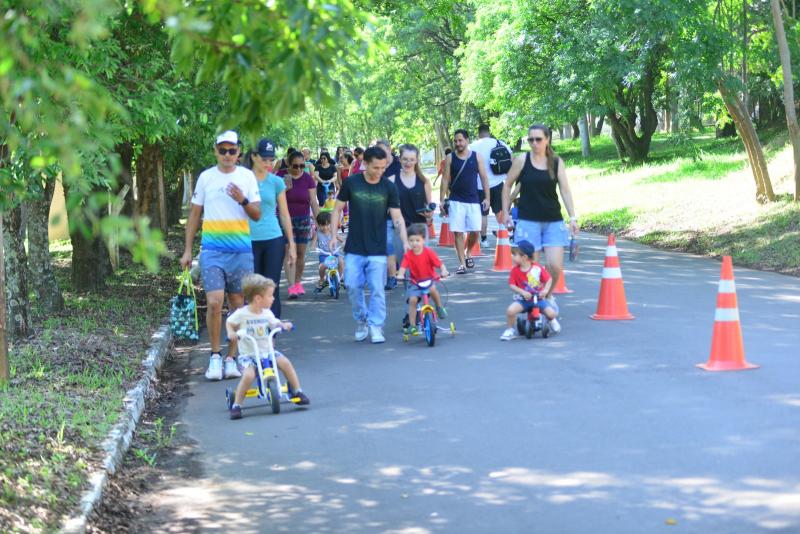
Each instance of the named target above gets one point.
<point>535,139</point>
<point>224,151</point>
<point>298,166</point>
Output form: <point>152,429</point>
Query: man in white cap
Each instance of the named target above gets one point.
<point>226,195</point>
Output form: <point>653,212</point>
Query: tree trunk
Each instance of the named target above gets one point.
<point>4,370</point>
<point>162,194</point>
<point>752,145</point>
<point>788,92</point>
<point>586,147</point>
<point>621,150</point>
<point>146,182</point>
<point>90,261</point>
<point>576,130</point>
<point>597,127</point>
<point>674,121</point>
<point>16,271</point>
<point>125,177</point>
<point>39,265</point>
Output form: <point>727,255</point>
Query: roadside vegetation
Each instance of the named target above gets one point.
<point>694,194</point>
<point>68,379</point>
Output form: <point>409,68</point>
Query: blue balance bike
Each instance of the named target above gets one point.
<point>427,319</point>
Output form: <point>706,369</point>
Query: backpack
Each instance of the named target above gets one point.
<point>500,159</point>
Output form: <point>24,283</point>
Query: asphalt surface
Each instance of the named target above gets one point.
<point>608,427</point>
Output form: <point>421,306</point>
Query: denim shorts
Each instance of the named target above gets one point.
<point>390,237</point>
<point>414,291</point>
<point>301,228</point>
<point>527,305</point>
<point>223,271</point>
<point>542,234</point>
<point>248,360</point>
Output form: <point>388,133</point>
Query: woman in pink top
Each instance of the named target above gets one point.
<point>301,196</point>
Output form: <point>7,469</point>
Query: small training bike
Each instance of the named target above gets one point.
<point>332,275</point>
<point>268,384</point>
<point>427,318</point>
<point>528,323</point>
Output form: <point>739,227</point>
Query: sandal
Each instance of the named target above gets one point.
<point>470,263</point>
<point>461,270</point>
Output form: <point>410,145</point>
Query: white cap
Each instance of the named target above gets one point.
<point>228,137</point>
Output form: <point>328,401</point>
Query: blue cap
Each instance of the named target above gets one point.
<point>526,247</point>
<point>266,148</point>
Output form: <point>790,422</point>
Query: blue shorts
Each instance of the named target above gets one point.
<point>390,238</point>
<point>542,234</point>
<point>223,271</point>
<point>248,360</point>
<point>527,305</point>
<point>414,291</point>
<point>323,256</point>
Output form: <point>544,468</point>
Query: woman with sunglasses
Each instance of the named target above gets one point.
<point>325,176</point>
<point>301,197</point>
<point>269,244</point>
<point>539,212</point>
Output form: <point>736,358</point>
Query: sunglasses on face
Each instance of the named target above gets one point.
<point>297,166</point>
<point>535,139</point>
<point>224,151</point>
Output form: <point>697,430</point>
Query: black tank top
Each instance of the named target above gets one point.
<point>538,199</point>
<point>411,199</point>
<point>326,174</point>
<point>464,186</point>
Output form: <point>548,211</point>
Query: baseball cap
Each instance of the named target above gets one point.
<point>228,137</point>
<point>526,247</point>
<point>266,148</point>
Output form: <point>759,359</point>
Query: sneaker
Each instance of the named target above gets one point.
<point>441,311</point>
<point>292,292</point>
<point>376,333</point>
<point>555,326</point>
<point>231,369</point>
<point>484,240</point>
<point>236,412</point>
<point>509,334</point>
<point>300,399</point>
<point>361,332</point>
<point>411,331</point>
<point>320,286</point>
<point>214,371</point>
<point>391,283</point>
<point>299,289</point>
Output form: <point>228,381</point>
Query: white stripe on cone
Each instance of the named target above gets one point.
<point>503,241</point>
<point>612,272</point>
<point>727,286</point>
<point>611,251</point>
<point>726,315</point>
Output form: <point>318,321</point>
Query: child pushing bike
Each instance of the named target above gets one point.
<point>323,248</point>
<point>257,319</point>
<point>527,279</point>
<point>421,262</point>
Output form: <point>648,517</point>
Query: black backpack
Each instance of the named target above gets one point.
<point>500,159</point>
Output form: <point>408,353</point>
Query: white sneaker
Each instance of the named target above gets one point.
<point>509,334</point>
<point>555,326</point>
<point>361,332</point>
<point>214,371</point>
<point>231,369</point>
<point>376,333</point>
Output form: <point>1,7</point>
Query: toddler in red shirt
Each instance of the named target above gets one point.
<point>421,262</point>
<point>526,278</point>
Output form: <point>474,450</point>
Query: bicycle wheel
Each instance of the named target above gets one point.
<point>274,394</point>
<point>529,328</point>
<point>430,328</point>
<point>229,398</point>
<point>520,326</point>
<point>335,285</point>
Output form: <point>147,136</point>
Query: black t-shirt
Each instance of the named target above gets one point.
<point>326,174</point>
<point>366,235</point>
<point>538,199</point>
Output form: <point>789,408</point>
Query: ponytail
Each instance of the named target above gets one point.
<point>552,158</point>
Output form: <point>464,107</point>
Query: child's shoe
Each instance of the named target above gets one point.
<point>236,412</point>
<point>555,326</point>
<point>411,331</point>
<point>320,286</point>
<point>231,369</point>
<point>391,283</point>
<point>299,398</point>
<point>441,311</point>
<point>509,334</point>
<point>214,371</point>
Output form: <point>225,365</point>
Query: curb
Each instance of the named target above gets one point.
<point>119,438</point>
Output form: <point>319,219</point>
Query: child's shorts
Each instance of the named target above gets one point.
<point>414,291</point>
<point>527,305</point>
<point>248,360</point>
<point>323,256</point>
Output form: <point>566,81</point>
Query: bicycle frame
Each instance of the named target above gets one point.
<point>261,390</point>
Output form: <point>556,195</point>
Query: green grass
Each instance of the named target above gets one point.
<point>67,384</point>
<point>612,221</point>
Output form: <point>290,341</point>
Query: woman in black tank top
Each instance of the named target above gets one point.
<point>538,172</point>
<point>413,187</point>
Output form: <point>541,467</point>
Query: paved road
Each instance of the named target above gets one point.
<point>608,427</point>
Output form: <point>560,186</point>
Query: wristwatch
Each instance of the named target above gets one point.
<point>244,202</point>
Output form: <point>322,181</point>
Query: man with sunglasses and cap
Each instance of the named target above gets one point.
<point>226,197</point>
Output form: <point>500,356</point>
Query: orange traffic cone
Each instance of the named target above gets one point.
<point>727,349</point>
<point>502,253</point>
<point>475,251</point>
<point>561,285</point>
<point>611,305</point>
<point>446,237</point>
<point>431,230</point>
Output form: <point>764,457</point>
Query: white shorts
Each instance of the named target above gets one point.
<point>464,217</point>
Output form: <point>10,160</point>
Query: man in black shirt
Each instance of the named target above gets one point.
<point>370,196</point>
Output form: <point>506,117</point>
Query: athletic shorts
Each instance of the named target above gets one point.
<point>223,271</point>
<point>527,305</point>
<point>542,234</point>
<point>301,228</point>
<point>495,200</point>
<point>248,360</point>
<point>414,291</point>
<point>464,217</point>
